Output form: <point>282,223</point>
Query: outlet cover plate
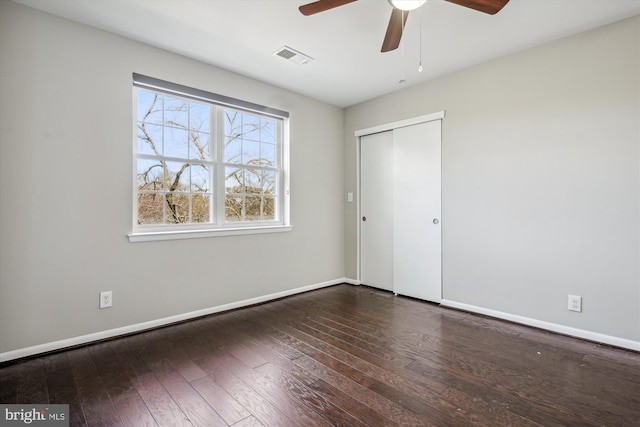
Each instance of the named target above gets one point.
<point>575,303</point>
<point>106,299</point>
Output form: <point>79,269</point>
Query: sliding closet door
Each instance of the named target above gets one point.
<point>400,192</point>
<point>376,208</point>
<point>417,241</point>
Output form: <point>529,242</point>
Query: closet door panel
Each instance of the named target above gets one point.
<point>376,220</point>
<point>417,254</point>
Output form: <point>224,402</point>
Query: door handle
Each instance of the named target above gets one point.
<point>364,218</point>
<point>436,221</point>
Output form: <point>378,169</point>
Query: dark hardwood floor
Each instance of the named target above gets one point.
<point>339,356</point>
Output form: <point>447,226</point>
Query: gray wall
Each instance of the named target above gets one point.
<point>66,190</point>
<point>540,179</point>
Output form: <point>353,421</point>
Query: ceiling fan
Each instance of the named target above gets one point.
<point>400,13</point>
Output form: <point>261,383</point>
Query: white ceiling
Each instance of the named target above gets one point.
<point>348,68</point>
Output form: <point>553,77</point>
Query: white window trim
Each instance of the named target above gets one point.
<point>195,231</point>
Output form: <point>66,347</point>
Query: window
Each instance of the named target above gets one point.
<point>206,164</point>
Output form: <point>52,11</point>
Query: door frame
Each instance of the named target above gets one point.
<point>377,129</point>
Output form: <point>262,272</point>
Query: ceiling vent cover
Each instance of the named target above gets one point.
<point>293,55</point>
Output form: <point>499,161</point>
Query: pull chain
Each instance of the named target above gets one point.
<point>402,78</point>
<point>420,64</point>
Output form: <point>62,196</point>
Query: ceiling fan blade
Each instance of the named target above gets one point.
<point>394,30</point>
<point>487,6</point>
<point>321,6</point>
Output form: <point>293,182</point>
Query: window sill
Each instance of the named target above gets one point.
<point>198,234</point>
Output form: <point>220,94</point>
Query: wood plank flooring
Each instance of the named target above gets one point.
<point>339,356</point>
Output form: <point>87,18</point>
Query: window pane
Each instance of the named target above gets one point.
<point>268,182</point>
<point>176,112</point>
<point>149,139</point>
<point>234,180</point>
<point>233,150</point>
<point>253,208</point>
<point>177,208</point>
<point>233,208</point>
<point>252,181</point>
<point>200,178</point>
<point>199,117</point>
<point>250,152</point>
<point>150,208</point>
<point>150,175</point>
<point>149,107</point>
<point>268,155</point>
<point>199,144</point>
<point>251,127</point>
<point>268,208</point>
<point>176,142</point>
<point>232,123</point>
<point>176,176</point>
<point>200,208</point>
<point>268,131</point>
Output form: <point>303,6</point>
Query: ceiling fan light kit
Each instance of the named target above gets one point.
<point>407,5</point>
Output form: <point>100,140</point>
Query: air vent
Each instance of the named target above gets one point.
<point>293,55</point>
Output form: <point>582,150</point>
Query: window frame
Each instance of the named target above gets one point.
<point>218,225</point>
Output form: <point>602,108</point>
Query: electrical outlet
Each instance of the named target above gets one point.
<point>575,303</point>
<point>106,299</point>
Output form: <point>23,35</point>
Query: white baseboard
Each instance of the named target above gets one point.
<point>351,281</point>
<point>553,327</point>
<point>138,327</point>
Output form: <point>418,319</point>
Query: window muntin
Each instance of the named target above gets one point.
<point>204,166</point>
